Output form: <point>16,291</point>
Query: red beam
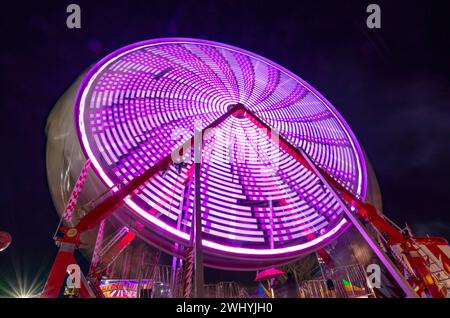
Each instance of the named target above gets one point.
<point>110,204</point>
<point>59,270</point>
<point>368,211</point>
<point>346,195</point>
<point>116,249</point>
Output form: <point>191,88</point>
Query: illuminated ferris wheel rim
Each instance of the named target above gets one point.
<point>80,104</point>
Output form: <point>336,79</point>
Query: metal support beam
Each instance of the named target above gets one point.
<point>272,242</point>
<point>97,248</point>
<point>110,204</point>
<point>58,272</point>
<point>197,224</point>
<point>114,251</point>
<point>305,160</point>
<point>391,267</point>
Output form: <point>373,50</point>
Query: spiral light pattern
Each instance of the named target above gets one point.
<point>140,103</point>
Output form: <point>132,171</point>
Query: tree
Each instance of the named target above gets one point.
<point>301,270</point>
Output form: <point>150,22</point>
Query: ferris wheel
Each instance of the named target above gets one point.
<point>211,150</point>
<point>258,203</point>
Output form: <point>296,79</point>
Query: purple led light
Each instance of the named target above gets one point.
<point>131,102</point>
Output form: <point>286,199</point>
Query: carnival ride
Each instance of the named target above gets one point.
<point>215,155</point>
<point>5,240</point>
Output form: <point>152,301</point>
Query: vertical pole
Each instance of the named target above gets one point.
<point>198,253</point>
<point>140,271</point>
<point>188,273</point>
<point>177,247</point>
<point>179,280</point>
<point>270,289</point>
<point>174,273</point>
<point>271,223</point>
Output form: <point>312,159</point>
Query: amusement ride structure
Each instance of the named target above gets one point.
<point>217,157</point>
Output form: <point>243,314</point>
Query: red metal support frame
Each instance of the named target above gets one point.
<point>308,163</point>
<point>370,213</point>
<point>101,212</point>
<point>70,239</point>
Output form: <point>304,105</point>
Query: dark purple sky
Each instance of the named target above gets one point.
<point>391,85</point>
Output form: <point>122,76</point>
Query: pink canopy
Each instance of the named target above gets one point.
<point>268,274</point>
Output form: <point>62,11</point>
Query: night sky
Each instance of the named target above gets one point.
<point>392,86</point>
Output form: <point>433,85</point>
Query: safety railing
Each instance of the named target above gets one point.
<point>344,282</point>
